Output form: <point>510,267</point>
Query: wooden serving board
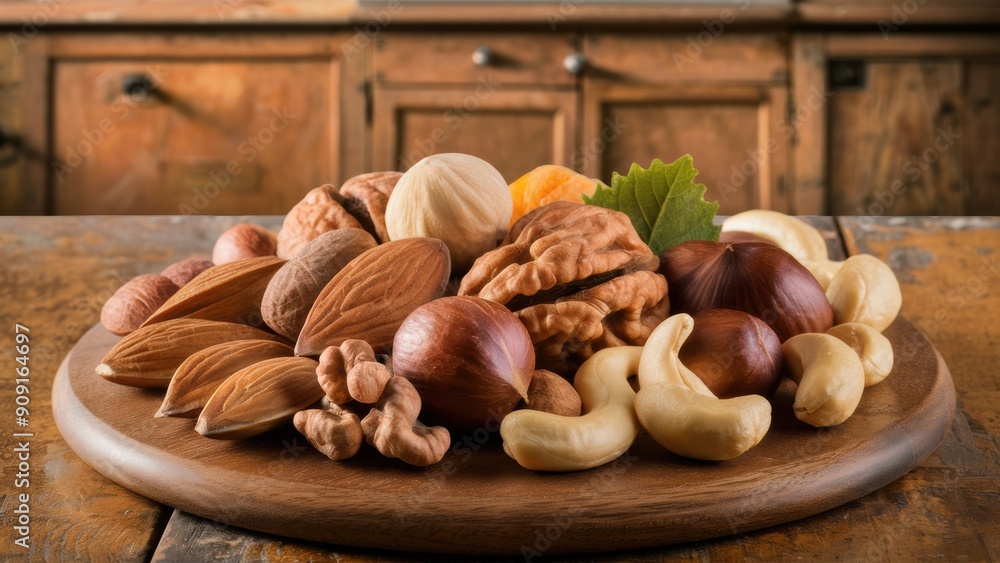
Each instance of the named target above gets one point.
<point>480,501</point>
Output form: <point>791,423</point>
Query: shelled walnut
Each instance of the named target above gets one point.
<point>578,277</point>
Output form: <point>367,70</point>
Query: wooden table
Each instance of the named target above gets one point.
<point>57,272</point>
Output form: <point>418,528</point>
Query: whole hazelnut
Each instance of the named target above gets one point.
<point>734,353</point>
<point>186,270</point>
<point>242,241</point>
<point>135,301</point>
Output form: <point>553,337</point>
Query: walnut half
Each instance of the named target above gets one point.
<point>579,278</point>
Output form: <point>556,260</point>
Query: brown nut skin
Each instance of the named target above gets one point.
<point>242,241</point>
<point>758,278</point>
<point>295,286</point>
<point>470,359</point>
<point>392,427</point>
<point>351,372</point>
<point>186,270</point>
<point>734,353</point>
<point>336,433</point>
<point>135,301</point>
<point>550,392</point>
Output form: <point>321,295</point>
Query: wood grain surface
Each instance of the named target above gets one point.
<point>57,271</point>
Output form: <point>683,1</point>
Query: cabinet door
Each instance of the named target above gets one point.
<point>179,126</point>
<point>514,130</point>
<point>918,138</point>
<point>894,141</point>
<point>737,136</point>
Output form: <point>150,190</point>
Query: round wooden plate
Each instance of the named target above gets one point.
<point>480,501</point>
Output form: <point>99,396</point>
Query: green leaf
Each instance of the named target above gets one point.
<point>663,202</point>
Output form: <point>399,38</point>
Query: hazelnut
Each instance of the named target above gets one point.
<point>242,241</point>
<point>135,301</point>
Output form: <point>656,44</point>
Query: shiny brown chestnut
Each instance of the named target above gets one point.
<point>734,353</point>
<point>754,277</point>
<point>471,360</point>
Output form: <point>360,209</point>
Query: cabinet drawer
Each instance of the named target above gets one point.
<point>144,132</point>
<point>448,58</point>
<point>696,57</point>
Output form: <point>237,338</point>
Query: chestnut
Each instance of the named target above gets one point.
<point>733,353</point>
<point>754,277</point>
<point>471,360</point>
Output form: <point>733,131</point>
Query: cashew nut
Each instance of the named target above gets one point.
<point>830,378</point>
<point>873,349</point>
<point>550,442</point>
<point>794,236</point>
<point>679,411</point>
<point>336,433</point>
<point>392,427</point>
<point>865,290</point>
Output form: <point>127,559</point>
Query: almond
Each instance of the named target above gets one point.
<point>260,397</point>
<point>321,210</point>
<point>294,288</point>
<point>370,297</point>
<point>135,301</point>
<point>149,356</point>
<point>205,370</point>
<point>230,293</point>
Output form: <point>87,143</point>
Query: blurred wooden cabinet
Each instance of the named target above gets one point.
<point>242,122</point>
<point>912,125</point>
<point>505,98</point>
<point>186,124</point>
<point>662,96</point>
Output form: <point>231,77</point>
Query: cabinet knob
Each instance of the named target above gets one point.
<point>574,63</point>
<point>483,56</point>
<point>137,85</point>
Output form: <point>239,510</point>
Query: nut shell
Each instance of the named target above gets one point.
<point>456,198</point>
<point>321,210</point>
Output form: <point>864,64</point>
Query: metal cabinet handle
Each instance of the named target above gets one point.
<point>483,56</point>
<point>138,85</point>
<point>574,63</point>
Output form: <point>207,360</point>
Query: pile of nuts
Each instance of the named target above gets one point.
<point>402,299</point>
